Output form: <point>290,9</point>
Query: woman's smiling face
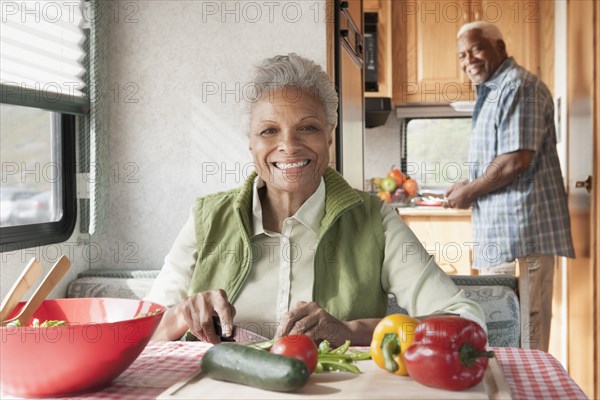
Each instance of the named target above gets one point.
<point>289,140</point>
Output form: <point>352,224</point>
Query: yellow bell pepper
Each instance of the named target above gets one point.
<point>391,337</point>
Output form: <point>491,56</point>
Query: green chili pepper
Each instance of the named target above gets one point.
<point>342,349</point>
<point>324,347</point>
<point>339,366</point>
<point>339,359</point>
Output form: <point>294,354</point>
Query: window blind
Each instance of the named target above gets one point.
<point>42,54</point>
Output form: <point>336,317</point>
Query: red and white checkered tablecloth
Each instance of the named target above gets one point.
<point>534,374</point>
<point>530,374</point>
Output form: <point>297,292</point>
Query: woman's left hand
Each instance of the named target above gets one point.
<point>308,318</point>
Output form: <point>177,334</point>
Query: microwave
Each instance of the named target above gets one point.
<point>370,52</point>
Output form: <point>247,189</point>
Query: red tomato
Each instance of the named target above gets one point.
<point>298,346</point>
<point>411,187</point>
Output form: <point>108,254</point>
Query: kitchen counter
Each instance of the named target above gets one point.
<point>445,233</point>
<point>426,211</point>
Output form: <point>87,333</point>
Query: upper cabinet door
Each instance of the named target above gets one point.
<point>425,63</point>
<point>518,21</point>
<point>426,68</point>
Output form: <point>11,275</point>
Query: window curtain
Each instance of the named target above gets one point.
<point>55,57</point>
<point>43,55</point>
<point>94,142</point>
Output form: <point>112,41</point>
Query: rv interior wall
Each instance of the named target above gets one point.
<point>581,349</point>
<point>382,147</point>
<point>176,76</point>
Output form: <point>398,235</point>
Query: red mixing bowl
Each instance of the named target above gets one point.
<point>103,337</point>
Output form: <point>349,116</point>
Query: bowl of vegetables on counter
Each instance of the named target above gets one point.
<point>74,345</point>
<point>395,188</point>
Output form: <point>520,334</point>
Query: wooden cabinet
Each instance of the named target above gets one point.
<point>424,61</point>
<point>383,8</point>
<point>372,5</point>
<point>445,234</point>
<point>518,21</point>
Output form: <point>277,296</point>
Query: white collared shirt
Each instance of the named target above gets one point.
<point>283,269</point>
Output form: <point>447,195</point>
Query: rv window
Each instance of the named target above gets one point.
<point>43,74</point>
<point>37,201</point>
<point>436,150</point>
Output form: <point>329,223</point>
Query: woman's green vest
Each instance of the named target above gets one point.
<point>348,257</point>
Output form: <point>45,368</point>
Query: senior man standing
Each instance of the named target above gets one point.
<point>515,185</point>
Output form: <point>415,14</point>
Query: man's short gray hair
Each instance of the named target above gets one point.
<point>488,30</point>
<point>290,72</point>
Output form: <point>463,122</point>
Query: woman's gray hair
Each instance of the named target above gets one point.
<point>290,72</point>
<point>488,30</point>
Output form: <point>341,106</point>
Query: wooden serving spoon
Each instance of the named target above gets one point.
<point>58,270</point>
<point>32,271</point>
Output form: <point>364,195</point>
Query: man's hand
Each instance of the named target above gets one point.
<point>459,196</point>
<point>502,171</point>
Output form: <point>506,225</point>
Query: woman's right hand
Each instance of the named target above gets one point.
<point>195,314</point>
<point>198,310</point>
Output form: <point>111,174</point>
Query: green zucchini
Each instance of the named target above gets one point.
<point>241,364</point>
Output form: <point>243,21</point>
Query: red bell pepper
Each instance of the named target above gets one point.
<point>448,353</point>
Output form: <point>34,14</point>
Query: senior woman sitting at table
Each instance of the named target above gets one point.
<point>296,249</point>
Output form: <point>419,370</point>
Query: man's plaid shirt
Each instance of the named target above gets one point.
<point>515,111</point>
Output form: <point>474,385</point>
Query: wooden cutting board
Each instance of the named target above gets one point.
<point>373,383</point>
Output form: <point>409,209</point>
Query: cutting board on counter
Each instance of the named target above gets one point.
<point>373,383</point>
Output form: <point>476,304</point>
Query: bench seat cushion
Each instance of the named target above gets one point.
<point>112,283</point>
<point>498,299</point>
